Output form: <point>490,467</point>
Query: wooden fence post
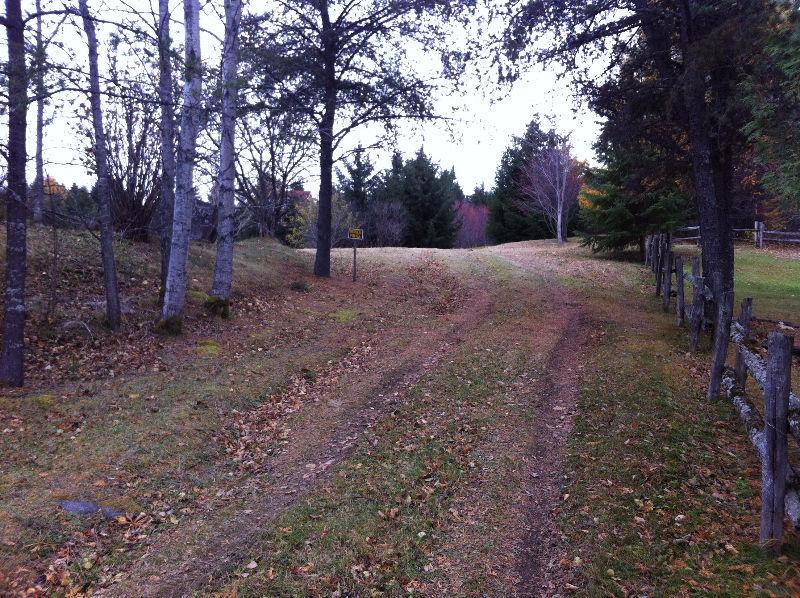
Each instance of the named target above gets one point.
<point>666,292</point>
<point>696,313</point>
<point>775,459</point>
<point>656,253</point>
<point>745,316</point>
<point>680,305</point>
<point>659,260</point>
<point>722,337</point>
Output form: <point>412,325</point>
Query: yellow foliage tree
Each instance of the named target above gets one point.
<point>53,188</point>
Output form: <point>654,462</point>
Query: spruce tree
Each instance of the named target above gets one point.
<point>507,222</point>
<point>428,196</point>
<point>358,182</point>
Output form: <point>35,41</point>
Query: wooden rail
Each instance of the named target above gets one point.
<point>759,234</point>
<point>768,432</point>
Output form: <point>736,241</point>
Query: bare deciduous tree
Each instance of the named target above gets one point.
<point>191,116</point>
<point>388,221</point>
<point>223,268</point>
<point>550,184</point>
<point>275,153</point>
<point>113,312</point>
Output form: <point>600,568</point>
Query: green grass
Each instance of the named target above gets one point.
<point>345,316</point>
<point>372,529</point>
<point>773,283</point>
<point>207,348</point>
<point>664,486</point>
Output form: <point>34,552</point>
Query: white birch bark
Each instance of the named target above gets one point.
<point>191,114</point>
<point>223,269</point>
<point>101,164</point>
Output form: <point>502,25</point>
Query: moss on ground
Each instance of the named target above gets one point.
<point>207,348</point>
<point>345,316</point>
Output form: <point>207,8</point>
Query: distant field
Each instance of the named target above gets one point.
<point>772,279</point>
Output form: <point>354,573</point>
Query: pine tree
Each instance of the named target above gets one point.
<point>615,215</point>
<point>507,222</point>
<point>428,197</point>
<point>358,182</point>
<point>480,196</point>
<point>452,188</point>
<point>391,187</point>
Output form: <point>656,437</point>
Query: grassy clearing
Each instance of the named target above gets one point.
<point>773,281</point>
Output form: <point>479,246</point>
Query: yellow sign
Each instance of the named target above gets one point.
<point>356,234</point>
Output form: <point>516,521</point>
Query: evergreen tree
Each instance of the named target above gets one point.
<point>772,93</point>
<point>507,222</point>
<point>614,215</point>
<point>480,196</point>
<point>81,204</point>
<point>358,182</point>
<point>452,188</point>
<point>391,187</point>
<point>427,196</point>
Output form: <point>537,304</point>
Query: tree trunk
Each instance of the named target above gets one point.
<point>559,232</point>
<point>12,369</point>
<point>322,262</point>
<point>101,162</point>
<point>38,184</point>
<point>191,113</point>
<point>711,192</point>
<point>167,100</point>
<point>223,269</point>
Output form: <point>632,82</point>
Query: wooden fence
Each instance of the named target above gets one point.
<point>768,431</point>
<point>758,235</point>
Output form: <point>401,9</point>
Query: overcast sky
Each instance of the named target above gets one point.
<point>482,121</point>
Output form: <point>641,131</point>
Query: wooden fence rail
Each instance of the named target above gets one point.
<point>768,432</point>
<point>759,234</point>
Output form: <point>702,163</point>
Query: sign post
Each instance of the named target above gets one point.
<point>355,235</point>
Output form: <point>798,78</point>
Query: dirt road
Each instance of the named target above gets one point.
<point>424,454</point>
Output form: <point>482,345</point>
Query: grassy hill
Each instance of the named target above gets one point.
<point>457,422</point>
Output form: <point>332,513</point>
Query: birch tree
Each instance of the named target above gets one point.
<point>12,370</point>
<point>223,269</point>
<point>551,180</point>
<point>113,314</point>
<point>166,98</point>
<point>37,203</point>
<point>191,116</point>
